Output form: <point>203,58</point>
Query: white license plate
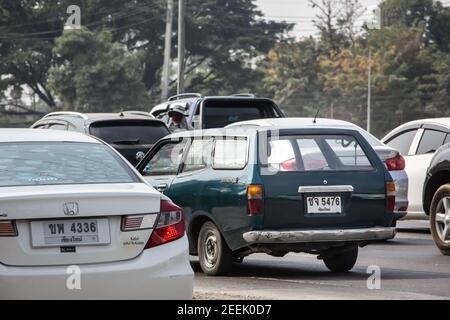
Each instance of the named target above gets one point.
<point>323,204</point>
<point>70,232</point>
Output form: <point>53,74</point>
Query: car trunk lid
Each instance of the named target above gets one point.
<point>323,181</point>
<point>75,224</point>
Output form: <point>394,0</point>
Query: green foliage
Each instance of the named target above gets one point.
<point>429,16</point>
<point>410,74</point>
<point>94,74</point>
<point>224,37</point>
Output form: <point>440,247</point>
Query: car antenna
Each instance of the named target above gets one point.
<point>317,113</point>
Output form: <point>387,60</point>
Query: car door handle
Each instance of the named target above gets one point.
<point>161,187</point>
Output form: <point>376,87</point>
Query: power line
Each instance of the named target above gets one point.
<point>120,12</point>
<point>123,15</point>
<point>110,29</point>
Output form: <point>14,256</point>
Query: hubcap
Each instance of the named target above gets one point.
<point>443,219</point>
<point>210,250</point>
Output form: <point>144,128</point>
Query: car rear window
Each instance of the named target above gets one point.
<point>129,132</point>
<point>317,153</point>
<point>218,114</point>
<point>57,163</point>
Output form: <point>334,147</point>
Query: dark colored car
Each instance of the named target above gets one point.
<point>436,198</point>
<point>218,111</point>
<point>317,190</point>
<point>131,133</point>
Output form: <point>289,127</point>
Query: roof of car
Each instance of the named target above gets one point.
<point>119,115</point>
<point>36,135</point>
<point>441,121</point>
<point>412,125</point>
<point>293,122</point>
<point>102,116</point>
<point>240,131</point>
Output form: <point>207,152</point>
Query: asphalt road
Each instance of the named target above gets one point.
<point>411,268</point>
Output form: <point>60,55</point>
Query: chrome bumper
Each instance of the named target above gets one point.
<point>302,236</point>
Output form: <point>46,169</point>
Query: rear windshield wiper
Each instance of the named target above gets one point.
<point>131,141</point>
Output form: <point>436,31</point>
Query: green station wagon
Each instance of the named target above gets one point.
<point>319,190</point>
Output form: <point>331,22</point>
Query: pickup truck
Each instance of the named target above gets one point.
<point>218,111</point>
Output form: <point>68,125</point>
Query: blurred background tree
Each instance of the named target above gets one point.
<point>94,74</point>
<point>115,61</point>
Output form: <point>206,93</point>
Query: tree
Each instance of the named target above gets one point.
<point>336,21</point>
<point>94,74</point>
<point>224,40</point>
<point>292,72</point>
<point>410,80</point>
<point>26,45</point>
<point>428,15</point>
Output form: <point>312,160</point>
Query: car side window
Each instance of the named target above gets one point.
<point>230,153</point>
<point>431,141</point>
<point>199,154</point>
<point>402,142</point>
<point>166,160</point>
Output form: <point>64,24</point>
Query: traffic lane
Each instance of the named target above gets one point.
<point>411,268</point>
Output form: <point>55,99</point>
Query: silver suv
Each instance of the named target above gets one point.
<point>132,133</point>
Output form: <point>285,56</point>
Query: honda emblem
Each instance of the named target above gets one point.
<point>70,208</point>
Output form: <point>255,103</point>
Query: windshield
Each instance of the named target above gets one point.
<point>129,132</point>
<point>57,163</point>
<point>220,113</point>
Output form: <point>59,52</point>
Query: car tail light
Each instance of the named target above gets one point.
<point>390,193</point>
<point>289,165</point>
<point>170,225</point>
<point>396,163</point>
<point>255,199</point>
<point>8,229</point>
<point>138,222</point>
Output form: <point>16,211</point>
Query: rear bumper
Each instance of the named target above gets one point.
<point>401,190</point>
<point>163,272</point>
<point>399,215</point>
<point>304,236</point>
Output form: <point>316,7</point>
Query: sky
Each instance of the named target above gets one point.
<point>301,13</point>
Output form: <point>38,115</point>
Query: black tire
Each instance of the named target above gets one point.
<point>215,257</point>
<point>438,226</point>
<point>342,261</point>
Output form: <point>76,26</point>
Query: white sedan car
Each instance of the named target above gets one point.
<point>78,222</point>
<point>417,141</point>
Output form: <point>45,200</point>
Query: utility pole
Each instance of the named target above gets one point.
<point>167,52</point>
<point>181,45</point>
<point>369,93</point>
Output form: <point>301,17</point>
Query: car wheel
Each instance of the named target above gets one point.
<point>440,219</point>
<point>214,255</point>
<point>342,261</point>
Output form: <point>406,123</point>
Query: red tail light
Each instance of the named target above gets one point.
<point>390,194</point>
<point>8,229</point>
<point>289,165</point>
<point>395,164</point>
<point>255,199</point>
<point>170,225</point>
